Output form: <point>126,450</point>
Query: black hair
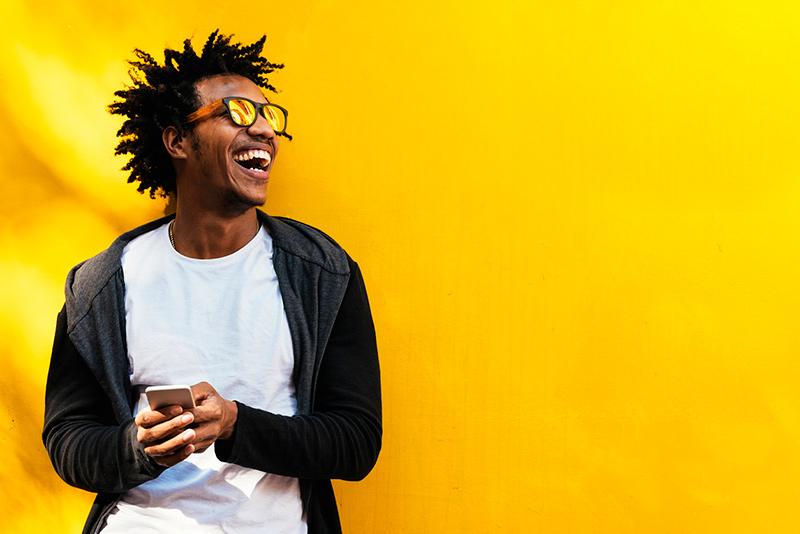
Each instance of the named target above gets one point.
<point>163,95</point>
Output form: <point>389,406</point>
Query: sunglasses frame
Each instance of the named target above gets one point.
<point>212,108</point>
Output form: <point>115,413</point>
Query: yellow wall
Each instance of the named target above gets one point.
<point>577,223</point>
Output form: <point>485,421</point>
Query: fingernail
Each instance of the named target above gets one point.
<point>190,448</point>
<point>186,418</point>
<point>188,435</point>
<point>176,410</point>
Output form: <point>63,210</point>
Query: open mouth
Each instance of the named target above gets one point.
<point>253,160</point>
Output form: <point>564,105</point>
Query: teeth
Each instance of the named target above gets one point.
<point>251,154</point>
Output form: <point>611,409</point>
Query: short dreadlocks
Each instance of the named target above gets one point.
<point>163,95</point>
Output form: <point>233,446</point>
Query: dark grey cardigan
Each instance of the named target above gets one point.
<point>89,431</point>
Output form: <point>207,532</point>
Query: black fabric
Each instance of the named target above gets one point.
<point>88,447</point>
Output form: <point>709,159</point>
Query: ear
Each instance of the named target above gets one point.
<point>175,142</point>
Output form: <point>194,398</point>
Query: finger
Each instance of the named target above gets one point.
<point>206,433</point>
<point>172,459</point>
<point>203,442</point>
<point>200,446</point>
<point>210,411</point>
<point>201,391</point>
<point>172,445</point>
<point>164,430</point>
<point>147,417</point>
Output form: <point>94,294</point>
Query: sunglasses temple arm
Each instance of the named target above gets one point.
<point>203,112</point>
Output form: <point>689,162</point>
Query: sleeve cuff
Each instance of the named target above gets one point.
<point>226,449</point>
<point>147,466</point>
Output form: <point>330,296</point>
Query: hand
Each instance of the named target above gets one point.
<point>214,416</point>
<point>163,433</point>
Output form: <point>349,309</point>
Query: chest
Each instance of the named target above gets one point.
<point>224,326</point>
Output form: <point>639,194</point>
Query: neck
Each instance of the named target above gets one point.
<point>207,235</point>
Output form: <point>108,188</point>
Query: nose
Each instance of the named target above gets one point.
<point>261,128</point>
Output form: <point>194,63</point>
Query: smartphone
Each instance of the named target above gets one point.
<point>161,396</point>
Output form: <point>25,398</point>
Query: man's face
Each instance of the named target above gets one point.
<point>217,143</point>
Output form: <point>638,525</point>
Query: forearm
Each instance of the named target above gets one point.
<point>87,446</point>
<point>99,458</point>
<point>321,446</point>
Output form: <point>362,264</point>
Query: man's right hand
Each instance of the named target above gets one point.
<point>164,434</point>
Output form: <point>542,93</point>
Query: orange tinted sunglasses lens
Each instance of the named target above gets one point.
<point>242,112</point>
<point>275,117</point>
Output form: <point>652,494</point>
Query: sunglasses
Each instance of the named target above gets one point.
<point>244,112</point>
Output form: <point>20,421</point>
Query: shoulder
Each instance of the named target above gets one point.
<point>86,279</point>
<point>306,242</point>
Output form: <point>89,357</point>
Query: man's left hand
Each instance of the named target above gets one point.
<point>214,416</point>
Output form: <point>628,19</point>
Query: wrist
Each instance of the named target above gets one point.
<point>232,414</point>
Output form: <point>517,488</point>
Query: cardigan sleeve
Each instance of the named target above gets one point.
<point>341,438</point>
<point>89,449</point>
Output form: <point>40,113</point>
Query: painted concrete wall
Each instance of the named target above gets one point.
<point>577,221</point>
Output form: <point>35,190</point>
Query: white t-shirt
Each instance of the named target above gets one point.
<point>220,320</point>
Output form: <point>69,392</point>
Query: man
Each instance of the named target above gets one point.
<point>266,316</point>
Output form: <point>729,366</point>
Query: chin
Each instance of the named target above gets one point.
<point>242,201</point>
<point>254,201</point>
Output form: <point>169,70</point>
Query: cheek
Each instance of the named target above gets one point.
<point>211,154</point>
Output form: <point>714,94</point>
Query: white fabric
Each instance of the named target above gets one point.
<point>222,321</point>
